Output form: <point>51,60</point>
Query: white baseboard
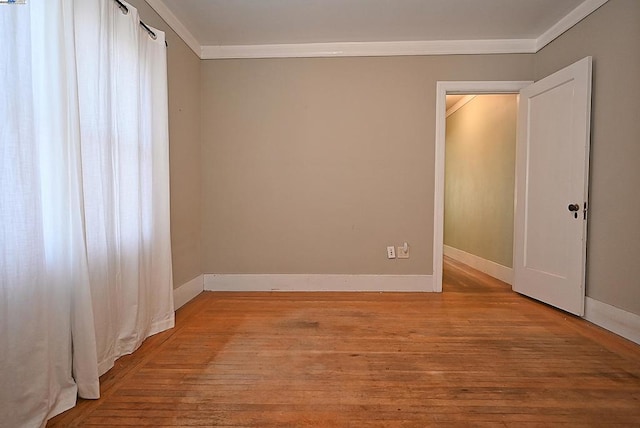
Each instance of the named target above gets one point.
<point>187,291</point>
<point>301,282</point>
<point>493,269</point>
<point>616,320</point>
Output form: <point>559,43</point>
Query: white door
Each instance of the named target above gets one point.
<point>552,160</point>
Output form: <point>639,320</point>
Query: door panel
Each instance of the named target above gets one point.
<point>551,173</point>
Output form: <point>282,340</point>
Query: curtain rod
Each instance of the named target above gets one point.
<point>125,10</point>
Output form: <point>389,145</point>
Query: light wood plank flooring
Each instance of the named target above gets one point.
<point>476,355</point>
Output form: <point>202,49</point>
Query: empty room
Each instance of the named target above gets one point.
<point>287,213</point>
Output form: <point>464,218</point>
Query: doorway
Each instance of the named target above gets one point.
<point>480,154</point>
<point>443,89</point>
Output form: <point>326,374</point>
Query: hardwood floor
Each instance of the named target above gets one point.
<point>476,355</point>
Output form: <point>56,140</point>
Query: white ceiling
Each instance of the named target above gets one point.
<point>216,27</point>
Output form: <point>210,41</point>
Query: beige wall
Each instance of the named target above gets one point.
<point>184,149</point>
<point>612,36</point>
<point>315,165</point>
<point>480,178</point>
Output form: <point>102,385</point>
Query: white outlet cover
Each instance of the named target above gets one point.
<point>391,252</point>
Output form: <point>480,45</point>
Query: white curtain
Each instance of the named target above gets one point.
<point>123,103</point>
<point>85,261</point>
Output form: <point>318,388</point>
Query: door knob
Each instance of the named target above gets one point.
<point>574,208</point>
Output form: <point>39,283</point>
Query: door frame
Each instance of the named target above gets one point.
<point>442,89</point>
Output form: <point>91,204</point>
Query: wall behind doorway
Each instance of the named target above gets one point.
<point>480,177</point>
<point>315,165</point>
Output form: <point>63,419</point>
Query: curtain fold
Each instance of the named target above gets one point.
<point>85,258</point>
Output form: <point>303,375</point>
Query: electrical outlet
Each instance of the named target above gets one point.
<point>391,252</point>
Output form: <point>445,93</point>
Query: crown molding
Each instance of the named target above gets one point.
<point>572,18</point>
<point>176,25</point>
<point>457,106</point>
<point>400,48</point>
<point>439,47</point>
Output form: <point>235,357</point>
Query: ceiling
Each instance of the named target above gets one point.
<point>218,28</point>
